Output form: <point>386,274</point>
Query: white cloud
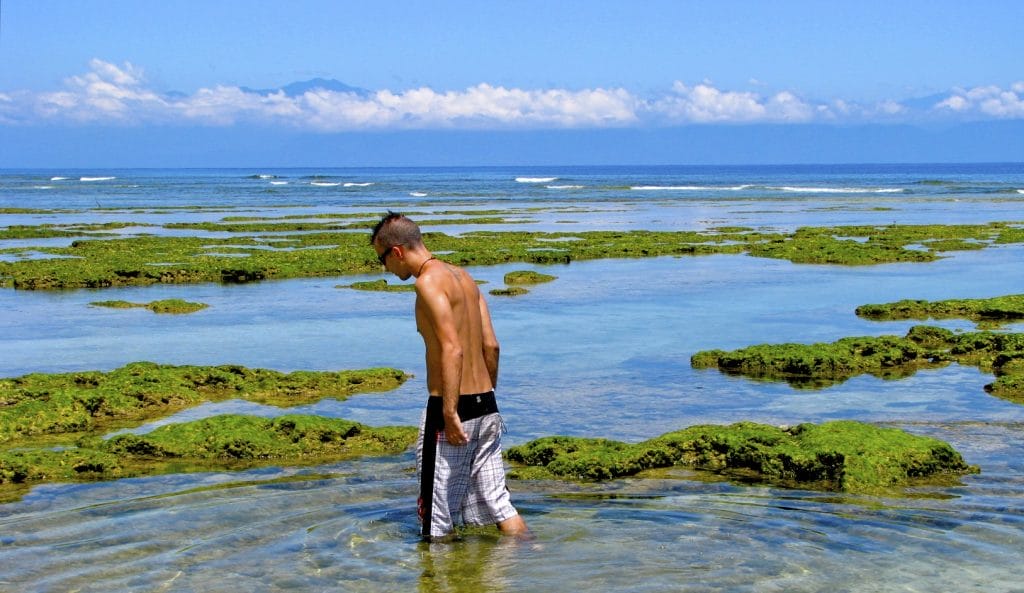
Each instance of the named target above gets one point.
<point>987,101</point>
<point>119,94</point>
<point>108,92</point>
<point>704,103</point>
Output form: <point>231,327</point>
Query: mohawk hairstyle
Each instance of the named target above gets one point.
<point>396,229</point>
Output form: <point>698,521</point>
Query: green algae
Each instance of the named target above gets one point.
<point>35,232</point>
<point>824,364</point>
<point>989,312</point>
<point>223,442</point>
<point>62,407</point>
<point>282,225</point>
<point>528,277</point>
<point>380,285</point>
<point>509,291</point>
<point>173,306</point>
<point>141,260</point>
<point>286,217</point>
<point>45,231</point>
<point>868,245</point>
<point>842,455</point>
<point>117,304</point>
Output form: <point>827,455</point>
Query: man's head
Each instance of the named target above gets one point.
<point>394,237</point>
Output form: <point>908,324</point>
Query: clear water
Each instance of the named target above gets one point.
<point>602,351</point>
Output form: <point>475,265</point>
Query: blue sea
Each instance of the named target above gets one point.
<point>602,351</point>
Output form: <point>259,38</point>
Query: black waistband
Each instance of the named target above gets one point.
<point>471,406</point>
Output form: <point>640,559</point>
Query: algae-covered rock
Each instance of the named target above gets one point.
<point>228,441</point>
<point>380,285</point>
<point>318,251</point>
<point>90,401</point>
<point>528,277</point>
<point>176,306</point>
<point>843,455</point>
<point>116,304</point>
<point>821,365</point>
<point>237,437</point>
<point>36,465</point>
<point>989,312</point>
<point>509,291</point>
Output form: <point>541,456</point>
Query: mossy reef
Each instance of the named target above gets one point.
<point>380,285</point>
<point>98,262</point>
<point>823,364</point>
<point>62,407</point>
<point>509,291</point>
<point>175,306</point>
<point>843,455</point>
<point>988,312</point>
<point>221,442</point>
<point>528,277</point>
<point>57,428</point>
<point>53,427</point>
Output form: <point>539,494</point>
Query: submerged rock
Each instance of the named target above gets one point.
<point>509,291</point>
<point>824,364</point>
<point>988,312</point>
<point>528,277</point>
<point>87,402</point>
<point>380,285</point>
<point>844,455</point>
<point>325,249</point>
<point>226,441</point>
<point>176,306</point>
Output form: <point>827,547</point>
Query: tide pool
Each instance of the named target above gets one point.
<point>601,351</point>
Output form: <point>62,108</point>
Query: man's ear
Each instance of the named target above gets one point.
<point>399,251</point>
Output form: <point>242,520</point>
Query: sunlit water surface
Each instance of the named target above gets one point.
<point>602,351</point>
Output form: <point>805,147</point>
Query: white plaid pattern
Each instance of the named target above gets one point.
<point>469,479</point>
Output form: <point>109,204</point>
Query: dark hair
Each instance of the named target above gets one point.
<point>396,229</point>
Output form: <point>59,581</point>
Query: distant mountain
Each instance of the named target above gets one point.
<point>296,89</point>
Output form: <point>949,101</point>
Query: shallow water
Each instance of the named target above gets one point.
<point>602,351</point>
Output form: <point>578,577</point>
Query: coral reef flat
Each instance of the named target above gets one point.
<point>842,455</point>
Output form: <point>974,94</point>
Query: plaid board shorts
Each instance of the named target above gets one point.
<point>466,481</point>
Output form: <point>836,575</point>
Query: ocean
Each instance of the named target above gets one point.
<point>602,351</point>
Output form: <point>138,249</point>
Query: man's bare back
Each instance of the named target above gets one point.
<point>461,348</point>
<point>454,285</point>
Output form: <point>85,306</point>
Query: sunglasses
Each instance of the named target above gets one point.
<point>383,257</point>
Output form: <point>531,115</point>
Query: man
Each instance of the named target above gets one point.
<point>459,453</point>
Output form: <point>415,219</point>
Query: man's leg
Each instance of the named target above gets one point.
<point>488,501</point>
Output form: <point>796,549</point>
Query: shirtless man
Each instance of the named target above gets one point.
<point>459,452</point>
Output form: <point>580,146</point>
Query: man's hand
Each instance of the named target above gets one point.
<point>453,432</point>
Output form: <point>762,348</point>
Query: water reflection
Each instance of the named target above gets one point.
<point>602,351</point>
<point>352,526</point>
<point>472,564</point>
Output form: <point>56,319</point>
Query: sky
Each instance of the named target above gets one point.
<point>192,82</point>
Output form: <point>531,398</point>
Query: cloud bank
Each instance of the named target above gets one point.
<point>119,94</point>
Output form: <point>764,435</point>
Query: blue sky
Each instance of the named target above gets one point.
<point>580,73</point>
